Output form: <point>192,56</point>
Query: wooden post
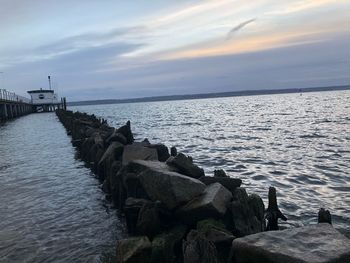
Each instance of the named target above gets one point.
<point>273,213</point>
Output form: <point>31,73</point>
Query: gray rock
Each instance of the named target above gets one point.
<point>324,216</point>
<point>230,183</point>
<point>310,244</point>
<point>166,246</point>
<point>212,203</point>
<point>133,250</point>
<point>184,165</point>
<point>126,131</point>
<point>162,151</point>
<point>220,173</point>
<point>117,137</point>
<point>170,188</point>
<point>113,152</point>
<point>247,213</point>
<point>131,210</point>
<point>138,152</point>
<point>198,249</point>
<point>173,151</point>
<point>148,222</point>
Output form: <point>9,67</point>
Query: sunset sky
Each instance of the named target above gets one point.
<point>126,49</point>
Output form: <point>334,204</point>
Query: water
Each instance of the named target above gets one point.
<point>53,210</point>
<point>51,207</point>
<point>299,144</point>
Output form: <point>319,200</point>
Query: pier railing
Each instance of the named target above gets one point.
<point>11,96</point>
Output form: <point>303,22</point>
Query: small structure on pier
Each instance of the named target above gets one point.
<point>44,100</point>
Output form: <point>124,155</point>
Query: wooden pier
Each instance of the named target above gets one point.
<point>13,106</point>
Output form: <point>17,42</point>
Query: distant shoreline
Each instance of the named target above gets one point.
<point>206,95</point>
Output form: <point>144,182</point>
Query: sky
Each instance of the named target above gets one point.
<point>115,49</point>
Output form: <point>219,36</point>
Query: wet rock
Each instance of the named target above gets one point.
<point>229,183</point>
<point>319,243</point>
<point>216,232</point>
<point>116,137</point>
<point>148,222</point>
<point>220,173</point>
<point>212,203</point>
<point>171,188</point>
<point>167,246</point>
<point>247,213</point>
<point>184,165</point>
<point>126,131</point>
<point>133,250</point>
<point>324,216</point>
<point>138,152</point>
<point>131,210</point>
<point>113,153</point>
<point>162,151</point>
<point>197,249</point>
<point>173,151</point>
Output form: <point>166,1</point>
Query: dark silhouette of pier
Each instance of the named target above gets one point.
<point>13,105</point>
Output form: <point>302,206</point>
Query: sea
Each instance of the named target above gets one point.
<point>52,208</point>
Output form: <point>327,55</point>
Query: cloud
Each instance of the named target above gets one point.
<point>239,27</point>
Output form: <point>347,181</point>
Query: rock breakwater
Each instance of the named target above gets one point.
<point>173,211</point>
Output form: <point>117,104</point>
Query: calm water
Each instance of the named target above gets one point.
<point>299,144</point>
<point>51,206</point>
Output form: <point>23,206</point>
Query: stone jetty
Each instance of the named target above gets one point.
<point>176,213</point>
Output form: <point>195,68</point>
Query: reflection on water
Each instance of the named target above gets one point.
<point>299,144</point>
<point>51,206</point>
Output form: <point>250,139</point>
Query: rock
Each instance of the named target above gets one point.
<point>133,250</point>
<point>229,183</point>
<point>184,165</point>
<point>220,173</point>
<point>162,151</point>
<point>117,137</point>
<point>197,249</point>
<point>131,210</point>
<point>173,151</point>
<point>216,232</point>
<point>126,131</point>
<point>310,244</point>
<point>212,203</point>
<point>113,153</point>
<point>167,246</point>
<point>324,216</point>
<point>247,213</point>
<point>138,152</point>
<point>148,222</point>
<point>170,188</point>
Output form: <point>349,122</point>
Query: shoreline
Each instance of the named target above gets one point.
<point>195,210</point>
<point>208,95</point>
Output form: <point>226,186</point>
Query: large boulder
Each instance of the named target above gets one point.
<point>310,244</point>
<point>162,151</point>
<point>148,221</point>
<point>131,210</point>
<point>170,188</point>
<point>197,249</point>
<point>184,164</point>
<point>113,153</point>
<point>247,213</point>
<point>166,247</point>
<point>216,232</point>
<point>212,203</point>
<point>126,131</point>
<point>133,250</point>
<point>138,152</point>
<point>230,183</point>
